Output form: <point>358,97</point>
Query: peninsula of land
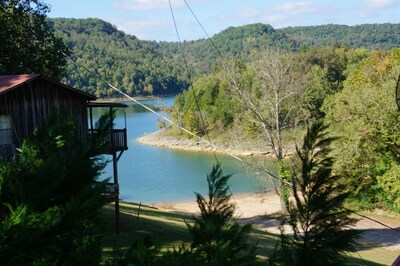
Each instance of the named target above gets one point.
<point>234,147</point>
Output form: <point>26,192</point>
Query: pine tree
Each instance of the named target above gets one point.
<point>217,237</point>
<point>316,215</point>
<point>51,201</point>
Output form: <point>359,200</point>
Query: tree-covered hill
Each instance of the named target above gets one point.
<point>146,67</point>
<point>137,67</point>
<point>233,42</point>
<point>369,36</point>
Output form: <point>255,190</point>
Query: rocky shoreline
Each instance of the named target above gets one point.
<point>159,139</point>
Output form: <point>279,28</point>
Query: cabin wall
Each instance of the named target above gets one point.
<point>31,104</point>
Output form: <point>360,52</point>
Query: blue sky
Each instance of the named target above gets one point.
<point>152,20</point>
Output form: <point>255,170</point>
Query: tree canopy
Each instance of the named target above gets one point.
<point>28,45</point>
<point>140,67</point>
<point>365,118</point>
<point>136,67</point>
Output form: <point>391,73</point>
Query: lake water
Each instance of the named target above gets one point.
<point>150,174</point>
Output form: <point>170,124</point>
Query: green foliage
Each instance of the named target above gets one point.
<point>327,69</point>
<point>50,201</point>
<point>364,116</point>
<point>217,108</point>
<point>389,183</point>
<point>136,67</point>
<point>233,42</point>
<point>217,238</point>
<point>28,45</point>
<point>369,36</point>
<point>150,68</point>
<point>319,222</point>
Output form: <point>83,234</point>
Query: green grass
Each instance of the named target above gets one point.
<point>169,230</point>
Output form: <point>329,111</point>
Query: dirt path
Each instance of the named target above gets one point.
<point>262,210</point>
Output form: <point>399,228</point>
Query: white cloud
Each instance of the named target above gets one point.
<point>296,13</point>
<point>294,8</point>
<point>381,3</point>
<point>148,5</point>
<point>145,5</point>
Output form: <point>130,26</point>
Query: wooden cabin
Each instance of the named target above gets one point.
<point>27,101</point>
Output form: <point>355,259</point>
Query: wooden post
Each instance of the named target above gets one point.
<point>115,168</point>
<point>91,117</point>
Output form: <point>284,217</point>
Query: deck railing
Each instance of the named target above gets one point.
<point>112,141</point>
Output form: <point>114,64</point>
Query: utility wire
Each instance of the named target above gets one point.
<point>374,220</point>
<point>197,99</point>
<point>187,131</point>
<point>263,169</point>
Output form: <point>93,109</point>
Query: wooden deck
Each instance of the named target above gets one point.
<point>115,140</point>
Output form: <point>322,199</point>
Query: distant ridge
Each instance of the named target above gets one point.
<point>370,36</point>
<point>147,67</point>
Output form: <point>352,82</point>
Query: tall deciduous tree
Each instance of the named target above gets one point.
<point>365,117</point>
<point>270,94</point>
<point>27,44</point>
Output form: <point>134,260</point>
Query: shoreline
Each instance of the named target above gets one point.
<point>248,204</point>
<point>158,139</point>
<point>125,99</point>
<point>137,98</point>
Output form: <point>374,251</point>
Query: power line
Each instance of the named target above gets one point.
<point>196,99</point>
<point>187,131</point>
<point>264,170</point>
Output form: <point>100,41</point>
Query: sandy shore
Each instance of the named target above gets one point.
<point>263,211</point>
<point>248,205</point>
<point>159,139</point>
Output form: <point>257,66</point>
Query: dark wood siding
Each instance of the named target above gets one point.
<point>32,103</point>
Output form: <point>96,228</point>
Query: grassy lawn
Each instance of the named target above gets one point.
<point>169,229</point>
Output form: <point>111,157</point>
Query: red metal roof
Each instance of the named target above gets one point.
<point>10,81</point>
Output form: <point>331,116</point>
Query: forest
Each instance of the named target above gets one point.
<point>274,97</point>
<point>140,67</point>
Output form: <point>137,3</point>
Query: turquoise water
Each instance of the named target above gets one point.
<point>150,174</point>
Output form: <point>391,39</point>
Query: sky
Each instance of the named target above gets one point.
<point>152,19</point>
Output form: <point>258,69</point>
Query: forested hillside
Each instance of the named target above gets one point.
<point>233,42</point>
<point>137,67</point>
<point>149,68</point>
<point>369,36</point>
